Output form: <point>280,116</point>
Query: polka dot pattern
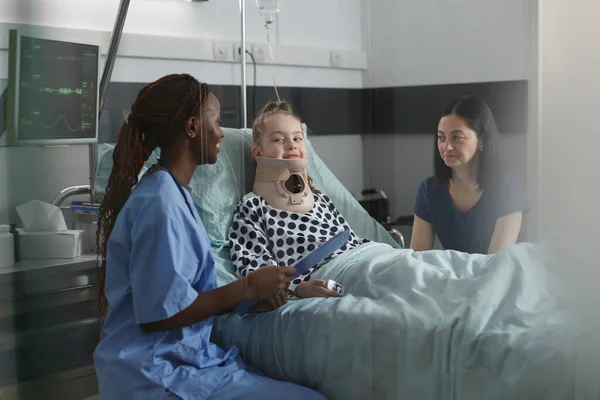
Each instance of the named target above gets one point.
<point>261,235</point>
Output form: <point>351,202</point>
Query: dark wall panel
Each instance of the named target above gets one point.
<point>332,111</point>
<point>417,109</point>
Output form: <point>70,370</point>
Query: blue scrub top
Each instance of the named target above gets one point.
<point>470,231</point>
<point>158,260</point>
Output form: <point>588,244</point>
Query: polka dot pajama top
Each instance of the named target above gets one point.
<point>262,235</point>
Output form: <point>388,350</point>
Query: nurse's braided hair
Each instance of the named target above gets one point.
<point>159,112</point>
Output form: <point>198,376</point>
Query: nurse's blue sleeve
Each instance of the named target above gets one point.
<point>421,210</point>
<point>162,264</point>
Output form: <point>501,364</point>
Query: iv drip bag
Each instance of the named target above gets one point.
<point>268,9</point>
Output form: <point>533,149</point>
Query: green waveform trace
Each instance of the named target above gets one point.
<point>62,90</point>
<point>62,58</point>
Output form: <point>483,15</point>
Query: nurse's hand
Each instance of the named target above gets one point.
<point>267,282</point>
<point>314,288</point>
<point>271,304</point>
<point>264,284</point>
<point>279,299</point>
<point>262,307</point>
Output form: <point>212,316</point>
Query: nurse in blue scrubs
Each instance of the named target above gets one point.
<point>471,203</point>
<point>158,287</point>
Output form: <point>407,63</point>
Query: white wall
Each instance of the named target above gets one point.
<point>41,173</point>
<point>215,19</point>
<point>569,162</point>
<point>430,42</point>
<point>437,41</point>
<point>343,154</point>
<point>218,20</point>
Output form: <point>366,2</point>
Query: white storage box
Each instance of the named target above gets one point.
<point>7,247</point>
<point>86,223</point>
<point>63,244</point>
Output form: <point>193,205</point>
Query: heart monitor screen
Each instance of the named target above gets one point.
<point>58,86</point>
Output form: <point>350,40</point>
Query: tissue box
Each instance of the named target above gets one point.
<point>63,244</point>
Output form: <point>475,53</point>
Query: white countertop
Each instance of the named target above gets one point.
<point>40,266</point>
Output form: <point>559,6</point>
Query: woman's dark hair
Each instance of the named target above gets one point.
<point>158,114</point>
<point>478,117</point>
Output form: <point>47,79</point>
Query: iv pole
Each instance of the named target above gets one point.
<point>111,56</point>
<point>104,83</point>
<point>243,61</point>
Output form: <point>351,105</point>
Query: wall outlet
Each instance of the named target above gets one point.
<point>335,59</point>
<point>260,52</point>
<point>237,51</point>
<point>221,51</point>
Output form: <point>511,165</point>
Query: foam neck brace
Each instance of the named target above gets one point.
<point>283,184</point>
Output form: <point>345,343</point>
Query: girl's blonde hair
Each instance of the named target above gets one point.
<point>259,124</point>
<point>270,109</point>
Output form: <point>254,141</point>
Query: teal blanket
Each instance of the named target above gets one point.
<point>431,325</point>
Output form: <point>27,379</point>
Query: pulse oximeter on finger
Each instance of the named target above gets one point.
<point>336,287</point>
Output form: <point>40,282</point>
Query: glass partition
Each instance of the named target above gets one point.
<point>412,127</point>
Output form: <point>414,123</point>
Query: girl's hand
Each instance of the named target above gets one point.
<point>314,288</point>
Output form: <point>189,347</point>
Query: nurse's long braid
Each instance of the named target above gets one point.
<point>157,115</point>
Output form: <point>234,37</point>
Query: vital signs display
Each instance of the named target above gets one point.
<point>53,92</point>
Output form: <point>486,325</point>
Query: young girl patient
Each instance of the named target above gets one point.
<point>284,217</point>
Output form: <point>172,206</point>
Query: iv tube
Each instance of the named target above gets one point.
<point>268,26</point>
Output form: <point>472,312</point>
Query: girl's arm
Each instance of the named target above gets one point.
<point>250,248</point>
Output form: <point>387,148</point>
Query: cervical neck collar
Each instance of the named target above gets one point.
<point>283,184</point>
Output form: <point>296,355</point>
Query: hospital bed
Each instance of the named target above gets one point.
<point>430,325</point>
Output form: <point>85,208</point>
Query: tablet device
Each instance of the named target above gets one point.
<point>321,252</point>
<point>305,263</point>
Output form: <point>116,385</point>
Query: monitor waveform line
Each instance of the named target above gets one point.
<point>28,55</point>
<point>61,58</point>
<point>61,90</point>
<point>66,122</point>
